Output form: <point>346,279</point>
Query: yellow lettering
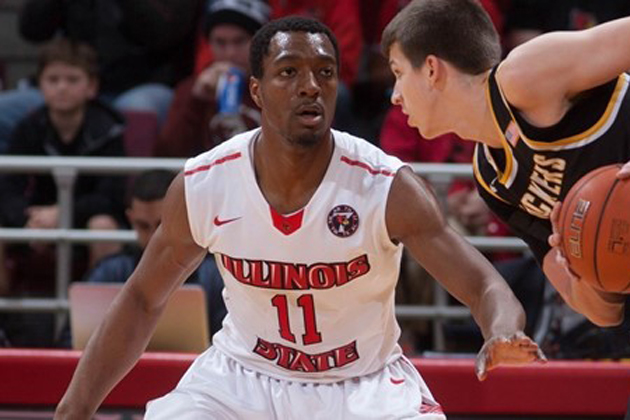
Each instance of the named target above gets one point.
<point>534,206</point>
<point>544,182</point>
<point>556,163</point>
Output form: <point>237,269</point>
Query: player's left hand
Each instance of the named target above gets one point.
<point>624,172</point>
<point>516,349</point>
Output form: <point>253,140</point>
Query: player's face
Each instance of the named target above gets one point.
<point>298,89</point>
<point>144,217</point>
<point>411,92</point>
<point>230,43</point>
<point>65,87</point>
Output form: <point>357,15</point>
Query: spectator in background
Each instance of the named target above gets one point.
<point>194,124</point>
<point>144,215</point>
<point>527,19</point>
<point>71,123</point>
<point>144,48</point>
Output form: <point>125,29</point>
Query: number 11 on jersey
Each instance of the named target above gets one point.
<point>306,302</point>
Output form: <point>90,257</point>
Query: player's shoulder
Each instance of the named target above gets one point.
<point>233,149</point>
<point>361,154</point>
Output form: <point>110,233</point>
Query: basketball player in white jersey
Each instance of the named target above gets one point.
<point>307,225</point>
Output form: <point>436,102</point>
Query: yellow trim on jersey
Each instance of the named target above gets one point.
<point>541,145</point>
<point>479,177</point>
<point>503,176</point>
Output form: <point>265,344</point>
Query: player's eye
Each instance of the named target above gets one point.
<point>287,72</point>
<point>327,72</point>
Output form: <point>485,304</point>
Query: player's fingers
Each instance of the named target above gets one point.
<point>481,366</point>
<point>555,216</point>
<point>554,240</point>
<point>624,172</point>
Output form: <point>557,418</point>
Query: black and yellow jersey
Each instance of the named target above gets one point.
<point>537,166</point>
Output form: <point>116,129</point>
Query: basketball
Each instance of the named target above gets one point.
<point>595,228</point>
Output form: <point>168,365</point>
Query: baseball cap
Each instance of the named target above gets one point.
<point>248,14</point>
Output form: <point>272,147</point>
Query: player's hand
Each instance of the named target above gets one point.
<point>555,241</point>
<point>624,172</point>
<point>516,349</point>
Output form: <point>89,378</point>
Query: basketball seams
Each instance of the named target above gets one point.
<point>602,213</point>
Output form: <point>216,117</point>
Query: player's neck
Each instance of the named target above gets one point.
<point>472,116</point>
<point>288,175</point>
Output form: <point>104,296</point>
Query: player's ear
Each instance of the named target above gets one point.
<point>434,69</point>
<point>254,91</point>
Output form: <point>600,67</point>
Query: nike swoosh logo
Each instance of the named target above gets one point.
<point>397,381</point>
<point>218,222</point>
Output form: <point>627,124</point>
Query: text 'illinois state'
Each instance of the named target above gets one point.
<point>293,359</point>
<point>291,276</point>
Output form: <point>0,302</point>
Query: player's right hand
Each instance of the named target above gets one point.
<point>515,349</point>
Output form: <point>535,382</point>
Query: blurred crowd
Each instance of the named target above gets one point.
<point>169,78</point>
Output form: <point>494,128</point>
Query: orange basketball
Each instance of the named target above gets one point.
<point>595,228</point>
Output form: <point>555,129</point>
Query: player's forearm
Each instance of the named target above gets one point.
<point>111,353</point>
<point>601,308</point>
<point>498,312</point>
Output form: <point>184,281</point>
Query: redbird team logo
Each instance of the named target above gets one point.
<point>343,221</point>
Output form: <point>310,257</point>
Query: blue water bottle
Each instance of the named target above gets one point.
<point>230,91</point>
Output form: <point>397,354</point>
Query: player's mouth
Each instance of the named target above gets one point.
<point>310,115</point>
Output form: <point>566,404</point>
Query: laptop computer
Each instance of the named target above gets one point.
<point>183,327</point>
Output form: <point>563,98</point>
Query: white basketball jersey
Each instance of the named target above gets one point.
<point>310,295</point>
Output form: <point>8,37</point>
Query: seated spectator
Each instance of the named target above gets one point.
<point>144,47</point>
<point>144,215</point>
<point>194,123</point>
<point>71,123</point>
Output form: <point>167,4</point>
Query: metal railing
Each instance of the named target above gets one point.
<point>66,169</point>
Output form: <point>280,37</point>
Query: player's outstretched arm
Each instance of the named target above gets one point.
<point>562,64</point>
<point>414,218</point>
<point>117,344</point>
<point>601,308</point>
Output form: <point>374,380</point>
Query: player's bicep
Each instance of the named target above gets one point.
<point>171,255</point>
<point>563,64</point>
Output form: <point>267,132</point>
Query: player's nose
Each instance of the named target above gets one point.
<point>396,97</point>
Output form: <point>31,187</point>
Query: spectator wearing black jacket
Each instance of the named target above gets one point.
<point>144,47</point>
<point>71,123</point>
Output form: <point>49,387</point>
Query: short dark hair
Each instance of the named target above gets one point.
<point>458,31</point>
<point>69,52</point>
<point>152,185</point>
<point>259,47</point>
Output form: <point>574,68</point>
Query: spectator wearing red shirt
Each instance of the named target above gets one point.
<point>194,124</point>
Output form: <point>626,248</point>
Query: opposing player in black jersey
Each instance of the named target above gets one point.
<point>553,110</point>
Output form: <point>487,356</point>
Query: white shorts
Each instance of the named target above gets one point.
<point>217,387</point>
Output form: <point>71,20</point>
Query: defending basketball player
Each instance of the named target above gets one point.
<point>556,108</point>
<point>307,225</point>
